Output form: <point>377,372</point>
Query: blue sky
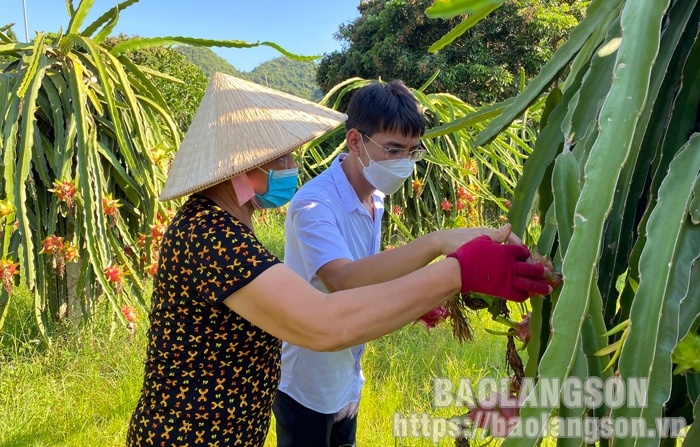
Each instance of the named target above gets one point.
<point>303,27</point>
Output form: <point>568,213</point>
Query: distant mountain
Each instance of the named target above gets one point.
<point>290,76</point>
<point>208,61</point>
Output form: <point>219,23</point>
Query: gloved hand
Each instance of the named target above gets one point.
<point>500,270</point>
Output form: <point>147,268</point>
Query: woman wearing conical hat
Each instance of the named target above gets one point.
<point>222,303</point>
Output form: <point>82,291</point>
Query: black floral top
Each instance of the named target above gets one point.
<point>210,375</point>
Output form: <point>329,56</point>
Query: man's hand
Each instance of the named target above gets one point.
<point>452,239</point>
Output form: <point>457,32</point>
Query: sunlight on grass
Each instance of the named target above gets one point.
<point>400,369</point>
<point>269,229</point>
<point>80,391</point>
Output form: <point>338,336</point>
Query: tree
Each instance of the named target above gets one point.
<point>7,29</point>
<point>208,61</point>
<point>86,136</point>
<point>288,75</point>
<point>391,39</point>
<point>183,89</point>
<point>615,174</point>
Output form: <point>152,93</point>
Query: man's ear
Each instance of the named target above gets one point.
<point>354,141</point>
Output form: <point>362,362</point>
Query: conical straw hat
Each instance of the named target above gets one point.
<point>240,125</point>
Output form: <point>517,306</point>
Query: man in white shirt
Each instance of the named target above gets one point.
<point>333,233</point>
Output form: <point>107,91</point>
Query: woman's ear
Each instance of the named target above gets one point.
<point>354,141</point>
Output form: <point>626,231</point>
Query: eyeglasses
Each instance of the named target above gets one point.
<point>396,153</point>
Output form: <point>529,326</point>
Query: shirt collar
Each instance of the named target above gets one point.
<point>346,190</point>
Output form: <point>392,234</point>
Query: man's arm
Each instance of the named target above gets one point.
<point>342,274</point>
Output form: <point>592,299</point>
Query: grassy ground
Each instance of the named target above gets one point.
<point>81,390</point>
<point>400,370</point>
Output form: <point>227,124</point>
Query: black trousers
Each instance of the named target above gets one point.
<point>298,426</point>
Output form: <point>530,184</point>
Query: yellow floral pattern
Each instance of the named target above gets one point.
<point>210,375</point>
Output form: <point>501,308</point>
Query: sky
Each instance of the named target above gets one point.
<point>303,27</point>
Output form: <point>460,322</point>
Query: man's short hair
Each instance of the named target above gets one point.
<point>385,108</point>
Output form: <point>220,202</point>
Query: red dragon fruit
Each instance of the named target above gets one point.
<point>552,277</point>
<point>434,317</point>
<point>497,420</point>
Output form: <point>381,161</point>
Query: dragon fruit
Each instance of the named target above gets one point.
<point>498,420</point>
<point>519,330</point>
<point>552,277</point>
<point>434,317</point>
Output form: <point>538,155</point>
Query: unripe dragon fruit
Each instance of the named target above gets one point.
<point>519,330</point>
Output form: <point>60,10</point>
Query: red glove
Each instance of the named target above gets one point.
<point>500,270</point>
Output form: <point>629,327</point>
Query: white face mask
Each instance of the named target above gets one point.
<point>387,175</point>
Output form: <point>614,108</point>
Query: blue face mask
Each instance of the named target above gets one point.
<point>281,186</point>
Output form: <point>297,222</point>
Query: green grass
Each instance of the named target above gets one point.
<point>81,390</point>
<point>400,369</point>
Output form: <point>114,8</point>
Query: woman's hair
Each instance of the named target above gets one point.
<point>385,108</point>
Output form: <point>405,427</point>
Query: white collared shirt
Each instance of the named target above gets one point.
<point>326,221</point>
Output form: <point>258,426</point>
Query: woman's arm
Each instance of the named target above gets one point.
<point>283,304</point>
